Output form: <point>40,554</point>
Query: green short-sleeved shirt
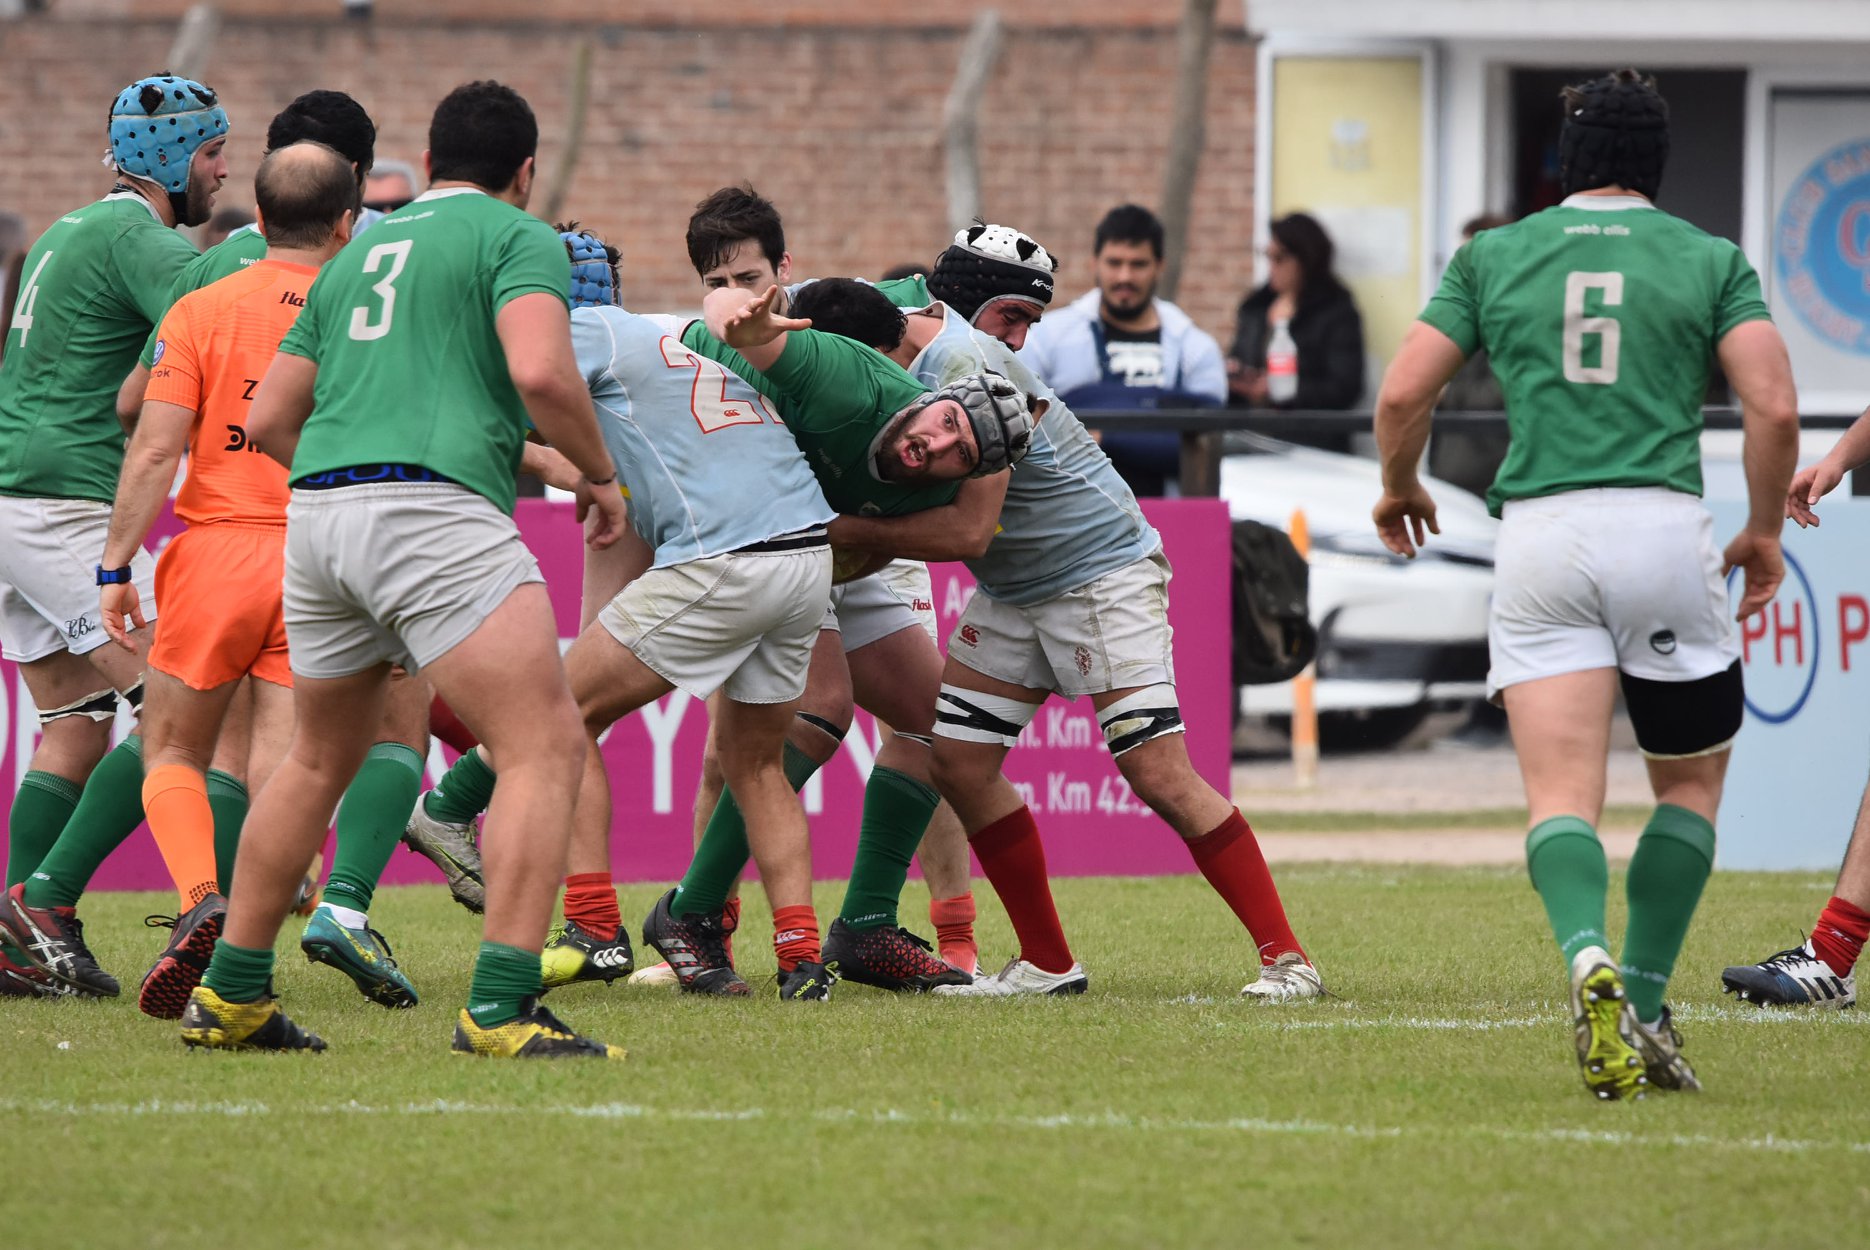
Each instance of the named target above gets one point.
<point>238,250</point>
<point>837,396</point>
<point>1600,318</point>
<point>401,327</point>
<point>92,288</point>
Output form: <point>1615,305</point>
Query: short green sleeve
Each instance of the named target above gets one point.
<point>836,381</point>
<point>148,262</point>
<point>695,338</point>
<point>1455,308</point>
<point>1740,300</point>
<point>530,258</point>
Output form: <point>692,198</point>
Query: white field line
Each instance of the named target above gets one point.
<point>1457,1024</point>
<point>1106,1122</point>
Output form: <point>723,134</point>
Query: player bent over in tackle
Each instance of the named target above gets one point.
<point>1072,600</point>
<point>221,576</point>
<point>1600,316</point>
<point>400,399</point>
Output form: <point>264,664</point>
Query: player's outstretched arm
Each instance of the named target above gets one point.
<point>149,466</point>
<point>751,325</point>
<point>954,531</point>
<point>1754,358</point>
<point>535,334</point>
<point>1423,367</point>
<point>1814,482</point>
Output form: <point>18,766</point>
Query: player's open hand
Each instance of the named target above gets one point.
<point>1405,521</point>
<point>1759,559</point>
<point>607,516</point>
<point>1809,485</point>
<point>116,602</point>
<point>758,321</point>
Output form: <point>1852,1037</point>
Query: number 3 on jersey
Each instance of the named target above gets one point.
<point>708,399</point>
<point>363,328</point>
<point>1607,331</point>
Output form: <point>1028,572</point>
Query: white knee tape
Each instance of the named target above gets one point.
<point>970,716</point>
<point>1136,718</point>
<point>101,706</point>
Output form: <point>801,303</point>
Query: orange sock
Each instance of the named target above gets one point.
<point>175,798</point>
<point>953,919</point>
<point>795,936</point>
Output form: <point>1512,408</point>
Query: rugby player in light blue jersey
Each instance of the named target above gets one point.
<point>1073,601</point>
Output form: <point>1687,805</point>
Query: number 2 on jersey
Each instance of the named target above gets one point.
<point>363,329</point>
<point>1607,330</point>
<point>714,409</point>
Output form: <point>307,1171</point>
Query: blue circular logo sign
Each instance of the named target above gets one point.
<point>1822,243</point>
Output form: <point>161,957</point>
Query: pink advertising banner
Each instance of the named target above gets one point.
<point>1093,824</point>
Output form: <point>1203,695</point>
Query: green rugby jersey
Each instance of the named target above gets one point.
<point>836,396</point>
<point>401,327</point>
<point>1600,318</point>
<point>93,287</point>
<point>238,250</point>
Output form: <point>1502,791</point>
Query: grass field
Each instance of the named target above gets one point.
<point>1435,1102</point>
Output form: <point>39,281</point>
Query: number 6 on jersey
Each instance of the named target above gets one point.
<point>362,328</point>
<point>1609,333</point>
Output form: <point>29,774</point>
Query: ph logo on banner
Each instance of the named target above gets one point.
<point>1780,647</point>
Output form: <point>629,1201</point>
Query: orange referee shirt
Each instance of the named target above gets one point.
<point>211,352</point>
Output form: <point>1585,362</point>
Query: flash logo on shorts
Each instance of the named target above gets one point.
<point>970,637</point>
<point>1663,641</point>
<point>921,605</point>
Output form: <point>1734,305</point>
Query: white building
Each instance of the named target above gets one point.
<point>1396,121</point>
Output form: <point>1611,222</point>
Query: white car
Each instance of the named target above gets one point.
<point>1397,638</point>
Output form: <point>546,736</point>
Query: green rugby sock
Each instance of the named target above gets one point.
<point>239,974</point>
<point>40,811</point>
<point>107,814</point>
<point>723,853</point>
<point>227,799</point>
<point>1671,865</point>
<point>1566,862</point>
<point>376,806</point>
<point>463,792</point>
<point>897,808</point>
<point>503,976</point>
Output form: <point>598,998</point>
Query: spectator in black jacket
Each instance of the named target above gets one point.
<point>1326,328</point>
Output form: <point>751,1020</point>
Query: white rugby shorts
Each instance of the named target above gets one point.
<point>896,597</point>
<point>49,553</point>
<point>742,623</point>
<point>1625,577</point>
<point>1111,634</point>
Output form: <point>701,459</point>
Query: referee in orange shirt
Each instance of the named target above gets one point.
<point>223,573</point>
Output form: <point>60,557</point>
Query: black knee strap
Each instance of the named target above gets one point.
<point>1676,719</point>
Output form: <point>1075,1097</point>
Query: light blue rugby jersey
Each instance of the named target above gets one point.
<point>708,465</point>
<point>1068,519</point>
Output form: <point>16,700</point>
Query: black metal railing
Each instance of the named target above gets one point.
<point>1203,431</point>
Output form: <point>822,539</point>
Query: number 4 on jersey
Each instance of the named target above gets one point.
<point>1608,332</point>
<point>28,296</point>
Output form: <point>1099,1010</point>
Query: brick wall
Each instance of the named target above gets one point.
<point>838,124</point>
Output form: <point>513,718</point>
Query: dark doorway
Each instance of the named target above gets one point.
<point>1707,130</point>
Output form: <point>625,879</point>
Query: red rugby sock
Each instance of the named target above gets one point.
<point>1229,857</point>
<point>591,904</point>
<point>1013,858</point>
<point>1838,937</point>
<point>795,936</point>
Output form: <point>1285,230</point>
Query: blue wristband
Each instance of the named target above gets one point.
<point>112,577</point>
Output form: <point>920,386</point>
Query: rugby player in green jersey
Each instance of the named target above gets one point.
<point>401,398</point>
<point>1600,317</point>
<point>92,287</point>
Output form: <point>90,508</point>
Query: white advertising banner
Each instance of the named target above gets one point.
<point>1803,755</point>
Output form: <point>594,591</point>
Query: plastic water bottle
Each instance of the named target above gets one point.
<point>1282,365</point>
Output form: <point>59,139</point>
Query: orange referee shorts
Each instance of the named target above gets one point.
<point>219,587</point>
